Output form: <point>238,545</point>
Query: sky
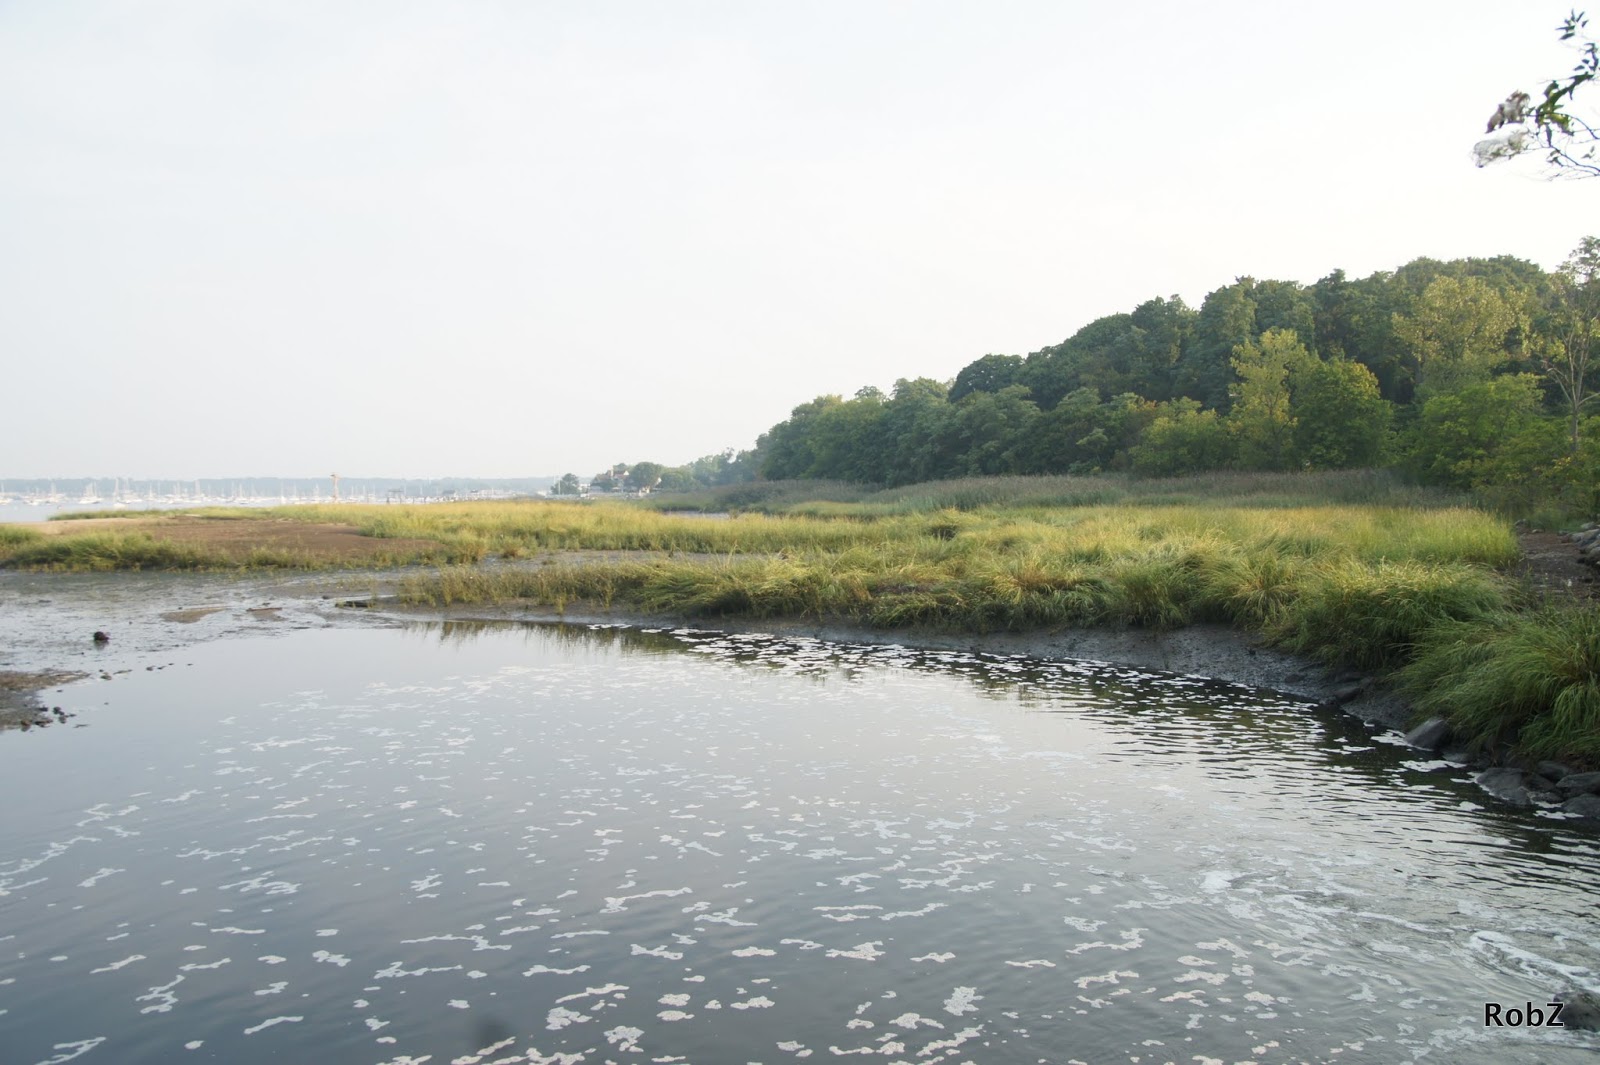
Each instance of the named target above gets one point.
<point>489,239</point>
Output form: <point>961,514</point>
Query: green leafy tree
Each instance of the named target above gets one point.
<point>642,475</point>
<point>1456,334</point>
<point>992,373</point>
<point>916,437</point>
<point>1226,320</point>
<point>993,430</point>
<point>1262,418</point>
<point>1470,438</point>
<point>568,485</point>
<point>1340,418</point>
<point>787,448</point>
<point>844,440</point>
<point>1567,353</point>
<point>1183,438</point>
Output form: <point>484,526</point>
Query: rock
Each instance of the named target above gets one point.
<point>1430,735</point>
<point>1579,784</point>
<point>1349,692</point>
<point>101,637</point>
<point>1587,806</point>
<point>1506,785</point>
<point>1459,756</point>
<point>354,603</point>
<point>1553,770</point>
<point>1580,1009</point>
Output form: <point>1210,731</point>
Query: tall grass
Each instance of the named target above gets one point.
<point>837,498</point>
<point>1531,681</point>
<point>98,552</point>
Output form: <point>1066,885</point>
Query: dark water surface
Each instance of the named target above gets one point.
<point>529,844</point>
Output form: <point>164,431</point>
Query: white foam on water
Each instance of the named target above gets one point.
<point>271,1021</point>
<point>962,1001</point>
<point>72,1050</point>
<point>114,966</point>
<point>861,951</point>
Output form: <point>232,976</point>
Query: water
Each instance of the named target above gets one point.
<point>480,844</point>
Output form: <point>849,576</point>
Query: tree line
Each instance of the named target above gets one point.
<point>1472,374</point>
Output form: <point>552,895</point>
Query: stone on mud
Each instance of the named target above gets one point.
<point>1579,784</point>
<point>1506,785</point>
<point>1430,735</point>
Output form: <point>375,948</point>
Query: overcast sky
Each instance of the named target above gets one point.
<point>497,239</point>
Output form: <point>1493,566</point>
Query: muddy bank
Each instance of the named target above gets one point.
<point>1214,651</point>
<point>20,704</point>
<point>48,622</point>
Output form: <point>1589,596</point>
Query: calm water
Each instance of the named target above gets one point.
<point>509,844</point>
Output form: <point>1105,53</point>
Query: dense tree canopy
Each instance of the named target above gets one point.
<point>1474,373</point>
<point>1402,366</point>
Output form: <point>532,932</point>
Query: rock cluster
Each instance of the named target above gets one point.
<point>1587,540</point>
<point>1545,784</point>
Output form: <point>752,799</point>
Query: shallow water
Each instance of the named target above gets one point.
<point>473,844</point>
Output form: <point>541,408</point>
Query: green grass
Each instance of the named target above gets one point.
<point>98,552</point>
<point>1529,682</point>
<point>839,499</point>
<point>15,536</point>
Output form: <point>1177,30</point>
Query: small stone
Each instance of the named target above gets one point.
<point>1553,770</point>
<point>1579,784</point>
<point>1430,735</point>
<point>1506,785</point>
<point>101,637</point>
<point>1586,806</point>
<point>1580,1009</point>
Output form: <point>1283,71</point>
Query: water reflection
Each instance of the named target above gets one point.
<point>561,843</point>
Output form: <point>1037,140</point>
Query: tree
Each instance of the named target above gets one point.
<point>1262,419</point>
<point>1227,319</point>
<point>567,486</point>
<point>643,475</point>
<point>1456,333</point>
<point>994,430</point>
<point>1566,356</point>
<point>1340,419</point>
<point>1473,437</point>
<point>991,373</point>
<point>1183,439</point>
<point>1524,123</point>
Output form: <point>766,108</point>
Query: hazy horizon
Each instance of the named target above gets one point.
<point>506,238</point>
